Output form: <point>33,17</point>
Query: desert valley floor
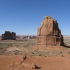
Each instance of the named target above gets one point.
<point>12,55</point>
<point>45,63</point>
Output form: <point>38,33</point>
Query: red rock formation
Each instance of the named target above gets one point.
<point>8,35</point>
<point>49,33</point>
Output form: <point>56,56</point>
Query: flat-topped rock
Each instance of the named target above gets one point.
<point>9,35</point>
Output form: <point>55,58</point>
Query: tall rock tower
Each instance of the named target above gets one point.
<point>49,33</point>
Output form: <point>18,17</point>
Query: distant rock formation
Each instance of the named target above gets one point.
<point>9,35</point>
<point>49,33</point>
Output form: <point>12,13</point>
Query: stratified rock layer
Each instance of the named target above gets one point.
<point>49,33</point>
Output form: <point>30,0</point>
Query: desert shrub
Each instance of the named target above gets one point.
<point>60,52</point>
<point>40,55</point>
<point>2,52</point>
<point>32,52</point>
<point>69,52</point>
<point>16,52</point>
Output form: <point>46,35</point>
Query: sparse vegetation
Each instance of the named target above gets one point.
<point>68,52</point>
<point>40,55</point>
<point>8,47</point>
<point>4,45</point>
<point>60,52</point>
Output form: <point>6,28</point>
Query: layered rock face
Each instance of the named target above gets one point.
<point>49,33</point>
<point>9,36</point>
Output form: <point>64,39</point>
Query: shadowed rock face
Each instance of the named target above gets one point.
<point>49,33</point>
<point>9,36</point>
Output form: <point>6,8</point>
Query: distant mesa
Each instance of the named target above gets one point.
<point>49,33</point>
<point>9,35</point>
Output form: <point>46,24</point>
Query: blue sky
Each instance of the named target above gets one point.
<point>25,16</point>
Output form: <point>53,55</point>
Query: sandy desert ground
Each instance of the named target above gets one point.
<point>16,62</point>
<point>12,54</point>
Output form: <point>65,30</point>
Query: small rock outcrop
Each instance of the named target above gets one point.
<point>9,35</point>
<point>49,33</point>
<point>35,67</point>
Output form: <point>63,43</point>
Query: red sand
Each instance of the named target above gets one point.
<point>13,62</point>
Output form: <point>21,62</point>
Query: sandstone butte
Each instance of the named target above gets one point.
<point>9,35</point>
<point>49,33</point>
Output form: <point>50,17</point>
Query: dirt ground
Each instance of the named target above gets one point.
<point>16,62</point>
<point>12,56</point>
